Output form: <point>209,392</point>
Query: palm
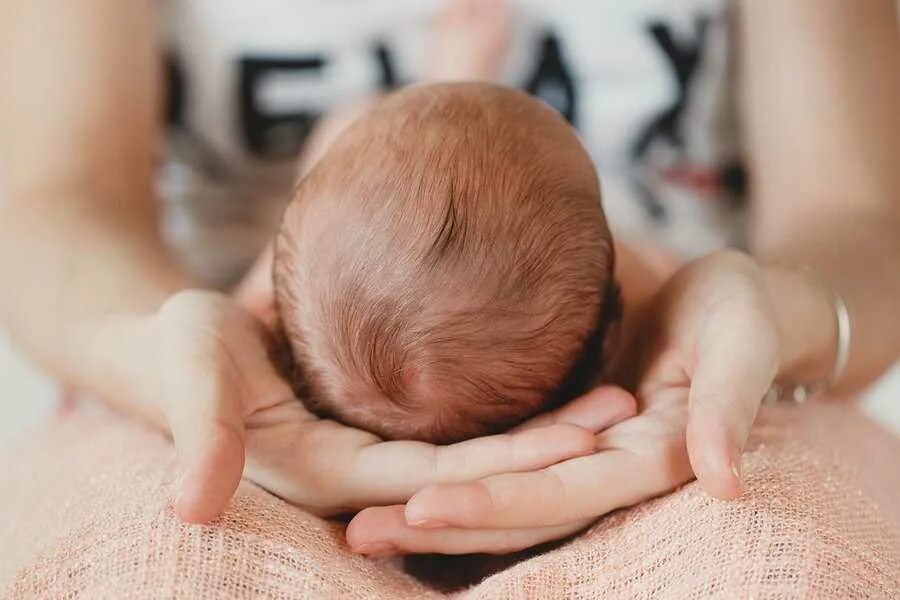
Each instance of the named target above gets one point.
<point>285,455</point>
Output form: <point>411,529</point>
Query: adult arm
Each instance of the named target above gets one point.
<point>821,97</point>
<point>820,91</point>
<point>78,134</point>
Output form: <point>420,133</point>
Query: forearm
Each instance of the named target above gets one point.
<point>856,256</point>
<point>81,96</point>
<point>823,139</point>
<point>79,129</point>
<point>63,270</point>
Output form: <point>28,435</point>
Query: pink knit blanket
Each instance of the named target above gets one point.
<point>85,511</point>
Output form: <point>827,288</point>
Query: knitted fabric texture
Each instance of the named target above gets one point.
<point>86,512</point>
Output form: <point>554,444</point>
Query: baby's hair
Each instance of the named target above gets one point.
<point>445,270</point>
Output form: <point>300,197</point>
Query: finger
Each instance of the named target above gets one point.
<point>576,489</point>
<point>382,531</point>
<point>213,465</point>
<point>736,361</point>
<point>208,388</point>
<point>388,472</point>
<point>207,428</point>
<point>255,293</point>
<point>596,410</point>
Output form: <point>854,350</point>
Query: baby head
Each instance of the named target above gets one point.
<point>445,270</point>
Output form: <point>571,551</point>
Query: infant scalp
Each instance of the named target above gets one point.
<point>443,271</point>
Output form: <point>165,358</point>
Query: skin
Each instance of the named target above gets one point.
<point>79,205</point>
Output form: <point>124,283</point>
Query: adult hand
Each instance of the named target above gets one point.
<point>705,352</point>
<point>201,367</point>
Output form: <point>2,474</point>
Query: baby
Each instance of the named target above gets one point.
<point>445,270</point>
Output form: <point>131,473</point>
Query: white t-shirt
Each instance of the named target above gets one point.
<point>647,83</point>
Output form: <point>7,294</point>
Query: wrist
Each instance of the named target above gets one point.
<point>805,318</point>
<point>113,364</point>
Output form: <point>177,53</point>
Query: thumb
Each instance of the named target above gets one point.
<point>208,431</point>
<point>736,360</point>
<point>254,292</point>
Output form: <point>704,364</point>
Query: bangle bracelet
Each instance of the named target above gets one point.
<point>802,391</point>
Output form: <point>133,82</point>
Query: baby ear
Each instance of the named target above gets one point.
<point>255,292</point>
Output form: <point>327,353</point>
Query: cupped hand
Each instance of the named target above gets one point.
<point>202,368</point>
<point>700,359</point>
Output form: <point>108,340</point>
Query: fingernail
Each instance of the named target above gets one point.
<point>376,549</point>
<point>427,523</point>
<point>736,470</point>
